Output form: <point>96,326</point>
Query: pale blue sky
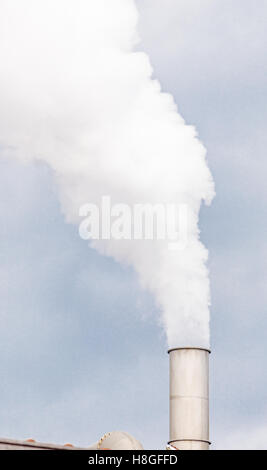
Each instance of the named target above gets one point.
<point>81,349</point>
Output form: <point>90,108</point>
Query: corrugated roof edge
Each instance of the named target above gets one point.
<point>30,444</point>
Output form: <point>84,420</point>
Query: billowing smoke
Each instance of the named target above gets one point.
<point>75,94</point>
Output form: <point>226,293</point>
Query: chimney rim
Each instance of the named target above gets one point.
<point>189,348</point>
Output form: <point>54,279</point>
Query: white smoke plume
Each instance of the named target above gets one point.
<point>75,94</point>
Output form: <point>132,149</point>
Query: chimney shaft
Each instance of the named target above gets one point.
<point>189,398</point>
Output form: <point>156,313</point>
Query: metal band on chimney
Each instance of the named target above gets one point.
<point>189,440</point>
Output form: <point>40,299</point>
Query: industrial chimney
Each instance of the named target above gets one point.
<point>189,398</point>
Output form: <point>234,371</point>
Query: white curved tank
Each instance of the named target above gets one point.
<point>117,440</point>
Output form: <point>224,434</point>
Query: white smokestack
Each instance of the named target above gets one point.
<point>75,95</point>
<point>189,398</point>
